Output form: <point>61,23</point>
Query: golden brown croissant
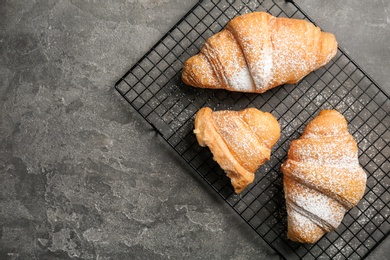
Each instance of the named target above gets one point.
<point>240,141</point>
<point>322,177</point>
<point>257,52</point>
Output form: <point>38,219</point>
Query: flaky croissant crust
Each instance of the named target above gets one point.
<point>322,177</point>
<point>240,141</point>
<point>257,51</point>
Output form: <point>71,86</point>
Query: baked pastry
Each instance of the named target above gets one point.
<point>240,141</point>
<point>257,52</point>
<point>322,177</point>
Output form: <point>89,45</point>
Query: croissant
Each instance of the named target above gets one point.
<point>240,141</point>
<point>257,52</point>
<point>322,177</point>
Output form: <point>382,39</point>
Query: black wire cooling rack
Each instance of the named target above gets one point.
<point>153,88</point>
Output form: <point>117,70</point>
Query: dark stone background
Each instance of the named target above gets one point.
<point>81,174</point>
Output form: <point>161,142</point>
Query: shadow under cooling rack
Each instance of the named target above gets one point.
<point>154,89</point>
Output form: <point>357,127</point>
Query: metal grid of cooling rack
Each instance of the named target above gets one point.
<point>154,89</point>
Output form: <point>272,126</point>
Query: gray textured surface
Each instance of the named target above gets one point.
<point>82,175</point>
<point>362,29</point>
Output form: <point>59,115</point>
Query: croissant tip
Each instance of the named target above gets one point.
<point>329,111</point>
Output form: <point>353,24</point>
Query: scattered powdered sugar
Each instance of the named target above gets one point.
<point>235,145</point>
<point>292,54</point>
<point>262,69</point>
<point>273,51</point>
<point>245,144</point>
<point>258,52</point>
<point>337,182</point>
<point>325,211</point>
<point>301,222</point>
<point>324,166</point>
<point>241,81</point>
<point>328,153</point>
<point>326,130</point>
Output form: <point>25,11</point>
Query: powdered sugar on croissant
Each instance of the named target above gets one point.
<point>322,177</point>
<point>240,141</point>
<point>257,51</point>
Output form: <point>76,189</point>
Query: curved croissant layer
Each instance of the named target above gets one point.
<point>322,177</point>
<point>240,141</point>
<point>257,52</point>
